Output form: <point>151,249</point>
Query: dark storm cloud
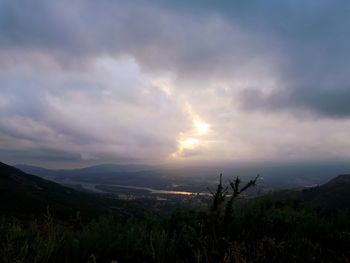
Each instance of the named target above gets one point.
<point>306,42</point>
<point>332,102</point>
<point>314,73</point>
<point>311,41</point>
<point>158,36</point>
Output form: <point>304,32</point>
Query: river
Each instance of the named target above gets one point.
<point>92,187</point>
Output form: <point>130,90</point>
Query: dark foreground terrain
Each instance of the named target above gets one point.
<point>45,222</point>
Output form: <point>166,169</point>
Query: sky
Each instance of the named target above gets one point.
<point>86,82</point>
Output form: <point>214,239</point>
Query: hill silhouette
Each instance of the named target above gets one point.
<point>333,195</point>
<point>25,195</point>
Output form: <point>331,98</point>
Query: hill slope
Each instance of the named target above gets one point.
<point>25,194</point>
<point>334,195</point>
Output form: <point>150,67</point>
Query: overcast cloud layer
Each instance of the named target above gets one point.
<point>86,82</point>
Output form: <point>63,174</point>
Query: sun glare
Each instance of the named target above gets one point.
<point>201,127</point>
<point>189,143</point>
<point>192,139</point>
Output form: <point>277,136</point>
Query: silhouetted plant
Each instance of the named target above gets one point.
<point>218,198</point>
<point>236,191</point>
<point>220,214</point>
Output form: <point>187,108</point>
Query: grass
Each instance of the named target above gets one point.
<point>260,231</point>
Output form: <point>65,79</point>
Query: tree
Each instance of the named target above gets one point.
<point>221,213</point>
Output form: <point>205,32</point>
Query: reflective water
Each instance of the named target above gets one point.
<point>92,187</point>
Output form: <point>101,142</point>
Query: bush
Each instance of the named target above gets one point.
<point>259,231</point>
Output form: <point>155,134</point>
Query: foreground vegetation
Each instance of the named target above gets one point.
<point>259,231</point>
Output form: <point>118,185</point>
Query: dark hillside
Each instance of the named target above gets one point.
<point>329,197</point>
<point>25,195</point>
<point>334,195</point>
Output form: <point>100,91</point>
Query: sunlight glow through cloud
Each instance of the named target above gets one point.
<point>190,141</point>
<point>201,127</point>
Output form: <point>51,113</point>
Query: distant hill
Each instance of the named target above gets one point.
<point>25,194</point>
<point>131,174</point>
<point>274,176</point>
<point>96,169</point>
<point>42,172</point>
<point>136,175</point>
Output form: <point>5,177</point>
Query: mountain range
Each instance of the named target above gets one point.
<point>23,193</point>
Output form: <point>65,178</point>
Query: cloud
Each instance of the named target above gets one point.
<point>109,112</point>
<point>304,46</point>
<point>158,37</point>
<point>318,102</point>
<point>108,79</point>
